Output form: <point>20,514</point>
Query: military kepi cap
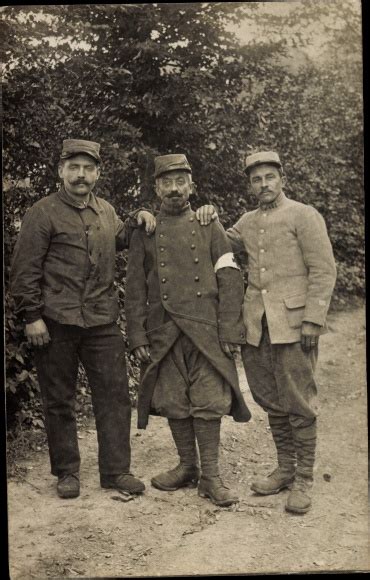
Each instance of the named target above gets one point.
<point>173,162</point>
<point>75,146</point>
<point>260,158</point>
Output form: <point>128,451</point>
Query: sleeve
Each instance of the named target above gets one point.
<point>235,237</point>
<point>125,229</point>
<point>319,259</point>
<point>230,288</point>
<point>26,269</point>
<point>136,293</point>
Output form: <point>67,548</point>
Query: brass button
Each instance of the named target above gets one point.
<point>193,233</point>
<point>163,264</point>
<point>196,278</point>
<point>164,280</point>
<point>191,219</point>
<point>162,249</point>
<point>192,246</point>
<point>262,251</point>
<point>262,231</point>
<point>161,235</point>
<point>165,296</point>
<point>264,291</point>
<point>263,269</point>
<point>196,260</point>
<point>199,294</point>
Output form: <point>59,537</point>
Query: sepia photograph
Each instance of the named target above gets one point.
<point>184,289</point>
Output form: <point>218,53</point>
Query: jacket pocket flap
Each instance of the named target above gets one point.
<point>297,301</point>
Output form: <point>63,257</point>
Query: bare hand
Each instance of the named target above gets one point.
<point>206,214</point>
<point>145,217</point>
<point>142,353</point>
<point>37,333</point>
<point>229,348</point>
<point>309,335</point>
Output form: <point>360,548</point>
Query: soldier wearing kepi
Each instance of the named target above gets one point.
<point>291,277</point>
<point>62,279</point>
<point>183,308</point>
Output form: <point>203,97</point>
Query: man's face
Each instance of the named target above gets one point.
<point>174,189</point>
<point>266,182</point>
<point>79,174</point>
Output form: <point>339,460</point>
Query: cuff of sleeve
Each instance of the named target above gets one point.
<point>137,340</point>
<point>232,333</point>
<point>31,316</point>
<point>316,317</point>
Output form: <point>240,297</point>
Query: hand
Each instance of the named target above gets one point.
<point>229,348</point>
<point>143,353</point>
<point>309,335</point>
<point>37,333</point>
<point>145,217</point>
<point>205,214</point>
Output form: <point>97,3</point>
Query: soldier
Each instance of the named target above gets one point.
<point>291,277</point>
<point>183,308</point>
<point>62,279</point>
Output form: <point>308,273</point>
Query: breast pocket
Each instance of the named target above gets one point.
<point>294,308</point>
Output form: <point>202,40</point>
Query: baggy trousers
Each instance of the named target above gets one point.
<point>101,351</point>
<point>189,386</point>
<point>281,379</point>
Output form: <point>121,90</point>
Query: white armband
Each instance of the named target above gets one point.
<point>226,261</point>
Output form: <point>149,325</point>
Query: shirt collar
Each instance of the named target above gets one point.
<point>91,202</point>
<point>276,203</point>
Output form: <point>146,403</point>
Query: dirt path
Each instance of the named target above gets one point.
<point>179,533</point>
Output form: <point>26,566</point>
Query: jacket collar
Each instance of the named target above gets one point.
<point>276,203</point>
<point>91,202</point>
<point>185,210</point>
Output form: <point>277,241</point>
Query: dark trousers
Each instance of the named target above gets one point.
<point>101,351</point>
<point>281,378</point>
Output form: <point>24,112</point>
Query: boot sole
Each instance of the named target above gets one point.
<point>157,485</point>
<point>297,510</point>
<point>130,491</point>
<point>271,491</point>
<point>223,503</point>
<point>68,495</point>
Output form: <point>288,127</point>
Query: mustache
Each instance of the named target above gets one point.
<point>80,182</point>
<point>173,194</point>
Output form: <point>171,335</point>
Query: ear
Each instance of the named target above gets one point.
<point>193,188</point>
<point>60,171</point>
<point>283,179</point>
<point>98,171</point>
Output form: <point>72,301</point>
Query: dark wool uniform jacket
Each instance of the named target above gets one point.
<point>64,261</point>
<point>172,287</point>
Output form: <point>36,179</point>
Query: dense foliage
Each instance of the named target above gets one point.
<point>146,79</point>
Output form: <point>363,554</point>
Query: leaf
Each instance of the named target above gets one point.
<point>21,377</point>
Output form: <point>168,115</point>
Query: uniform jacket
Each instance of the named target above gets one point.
<point>172,287</point>
<point>291,269</point>
<point>64,261</point>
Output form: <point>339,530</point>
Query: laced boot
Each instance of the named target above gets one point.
<point>304,433</point>
<point>186,474</point>
<point>68,486</point>
<point>299,501</point>
<point>211,485</point>
<point>283,475</point>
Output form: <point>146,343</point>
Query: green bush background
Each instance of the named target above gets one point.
<point>147,79</point>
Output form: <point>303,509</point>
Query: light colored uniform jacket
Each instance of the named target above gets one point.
<point>291,269</point>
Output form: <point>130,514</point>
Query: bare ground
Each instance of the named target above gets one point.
<point>179,533</point>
